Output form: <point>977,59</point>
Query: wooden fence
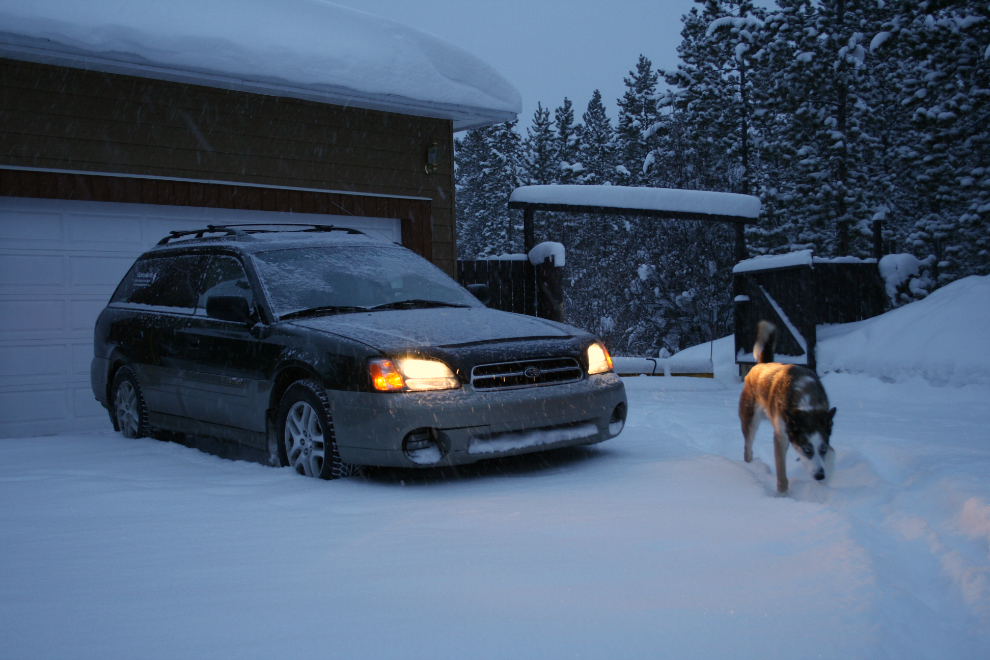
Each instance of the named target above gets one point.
<point>797,299</point>
<point>518,286</point>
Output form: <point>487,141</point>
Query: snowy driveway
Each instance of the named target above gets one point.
<point>661,543</point>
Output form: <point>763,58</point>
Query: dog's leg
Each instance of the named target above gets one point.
<point>750,421</point>
<point>780,443</point>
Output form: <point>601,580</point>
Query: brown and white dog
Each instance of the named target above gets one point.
<point>794,401</point>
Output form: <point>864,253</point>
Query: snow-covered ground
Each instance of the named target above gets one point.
<point>661,543</point>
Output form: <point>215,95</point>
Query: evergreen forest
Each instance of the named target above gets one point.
<point>835,113</point>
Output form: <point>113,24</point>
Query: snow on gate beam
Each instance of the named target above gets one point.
<point>650,202</point>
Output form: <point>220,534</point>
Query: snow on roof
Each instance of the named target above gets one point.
<point>642,199</point>
<point>307,49</point>
<point>791,259</point>
<point>766,262</point>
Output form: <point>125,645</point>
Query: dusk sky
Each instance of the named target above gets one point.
<point>550,49</point>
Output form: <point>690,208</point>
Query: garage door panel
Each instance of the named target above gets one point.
<point>101,271</point>
<point>115,231</point>
<point>85,406</point>
<point>82,357</point>
<point>34,405</point>
<point>85,312</point>
<point>32,315</point>
<point>30,229</point>
<point>32,270</point>
<point>20,361</point>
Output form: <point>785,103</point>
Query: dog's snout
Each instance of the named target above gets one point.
<point>820,475</point>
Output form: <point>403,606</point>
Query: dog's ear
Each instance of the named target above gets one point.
<point>793,418</point>
<point>831,414</point>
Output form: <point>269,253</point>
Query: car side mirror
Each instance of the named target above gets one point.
<point>480,291</point>
<point>229,308</point>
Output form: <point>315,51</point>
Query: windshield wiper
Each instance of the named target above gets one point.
<point>416,303</point>
<point>324,310</point>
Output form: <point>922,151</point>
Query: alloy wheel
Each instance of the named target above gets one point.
<point>304,444</point>
<point>126,408</point>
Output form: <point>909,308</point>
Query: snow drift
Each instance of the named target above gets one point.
<point>944,338</point>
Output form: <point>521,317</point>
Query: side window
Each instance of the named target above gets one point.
<point>225,276</point>
<point>163,282</point>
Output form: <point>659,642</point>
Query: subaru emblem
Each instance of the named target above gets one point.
<point>532,372</point>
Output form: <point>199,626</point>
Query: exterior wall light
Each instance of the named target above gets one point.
<point>433,157</point>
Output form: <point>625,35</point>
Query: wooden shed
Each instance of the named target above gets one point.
<point>115,129</point>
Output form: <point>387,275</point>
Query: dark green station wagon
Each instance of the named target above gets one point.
<point>323,349</point>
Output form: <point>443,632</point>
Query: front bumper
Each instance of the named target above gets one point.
<point>470,426</point>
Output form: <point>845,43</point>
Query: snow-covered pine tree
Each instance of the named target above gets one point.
<point>487,171</point>
<point>471,158</point>
<point>568,145</point>
<point>710,142</point>
<point>539,150</point>
<point>637,113</point>
<point>938,56</point>
<point>597,147</point>
<point>816,56</point>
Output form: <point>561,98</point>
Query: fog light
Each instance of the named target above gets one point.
<point>423,446</point>
<point>618,420</point>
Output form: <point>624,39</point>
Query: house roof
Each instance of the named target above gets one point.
<point>661,202</point>
<point>306,49</point>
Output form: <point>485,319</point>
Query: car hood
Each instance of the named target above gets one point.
<point>436,327</point>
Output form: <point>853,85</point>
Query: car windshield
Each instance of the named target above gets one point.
<point>331,279</point>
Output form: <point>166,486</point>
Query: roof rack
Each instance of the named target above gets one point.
<point>238,230</point>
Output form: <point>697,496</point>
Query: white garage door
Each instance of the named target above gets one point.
<point>60,262</point>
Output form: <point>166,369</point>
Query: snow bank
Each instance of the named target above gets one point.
<point>642,199</point>
<point>311,45</point>
<point>944,338</point>
<point>548,250</point>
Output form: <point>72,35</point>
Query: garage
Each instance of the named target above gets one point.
<point>60,261</point>
<point>121,123</point>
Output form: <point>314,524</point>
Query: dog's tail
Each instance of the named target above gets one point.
<point>766,342</point>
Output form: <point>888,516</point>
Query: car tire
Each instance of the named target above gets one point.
<point>128,411</point>
<point>306,440</point>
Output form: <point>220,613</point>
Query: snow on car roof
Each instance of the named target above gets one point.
<point>642,199</point>
<point>301,48</point>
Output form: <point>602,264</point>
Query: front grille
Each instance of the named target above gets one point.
<point>526,373</point>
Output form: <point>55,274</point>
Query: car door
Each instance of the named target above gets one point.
<point>153,304</point>
<point>223,380</point>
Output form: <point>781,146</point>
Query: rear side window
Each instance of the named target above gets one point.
<point>163,282</point>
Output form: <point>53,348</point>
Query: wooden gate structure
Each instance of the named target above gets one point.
<point>797,292</point>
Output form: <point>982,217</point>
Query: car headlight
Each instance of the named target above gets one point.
<point>411,375</point>
<point>599,361</point>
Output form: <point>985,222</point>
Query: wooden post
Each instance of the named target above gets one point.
<point>877,240</point>
<point>529,232</point>
<point>741,253</point>
<point>550,291</point>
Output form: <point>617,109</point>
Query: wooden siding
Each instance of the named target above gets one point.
<point>71,119</point>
